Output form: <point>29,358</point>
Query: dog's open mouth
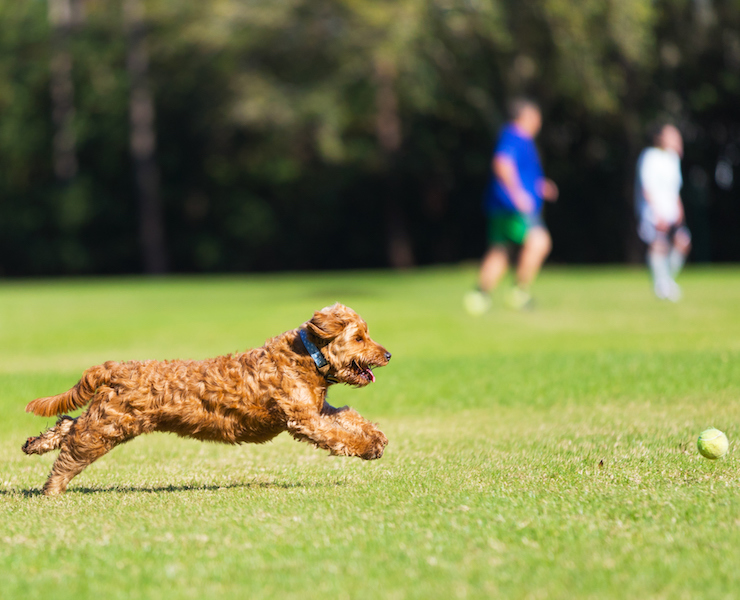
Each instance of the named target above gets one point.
<point>364,372</point>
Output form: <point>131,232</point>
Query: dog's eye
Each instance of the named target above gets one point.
<point>359,339</point>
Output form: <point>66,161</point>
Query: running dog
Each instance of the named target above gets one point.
<point>248,397</point>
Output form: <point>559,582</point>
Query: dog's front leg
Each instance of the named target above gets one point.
<point>349,419</point>
<point>326,431</point>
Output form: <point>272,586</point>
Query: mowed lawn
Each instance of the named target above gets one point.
<point>549,454</point>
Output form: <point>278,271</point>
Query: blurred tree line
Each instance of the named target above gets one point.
<point>155,135</point>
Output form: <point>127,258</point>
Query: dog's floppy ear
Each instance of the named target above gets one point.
<point>327,323</point>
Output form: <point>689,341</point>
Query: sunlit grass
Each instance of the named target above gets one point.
<point>546,454</point>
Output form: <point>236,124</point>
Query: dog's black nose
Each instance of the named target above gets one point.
<point>387,356</point>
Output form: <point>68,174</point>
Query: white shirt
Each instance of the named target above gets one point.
<point>658,177</point>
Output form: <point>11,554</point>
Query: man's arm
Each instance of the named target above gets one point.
<point>548,189</point>
<point>647,180</point>
<point>505,170</point>
<point>659,223</point>
<point>681,213</point>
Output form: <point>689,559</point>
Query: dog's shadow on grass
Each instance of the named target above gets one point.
<point>157,489</point>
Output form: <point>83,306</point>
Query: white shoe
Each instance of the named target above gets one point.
<point>674,292</point>
<point>519,299</point>
<point>477,303</point>
<point>668,290</point>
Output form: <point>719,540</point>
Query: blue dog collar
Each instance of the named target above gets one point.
<point>311,348</point>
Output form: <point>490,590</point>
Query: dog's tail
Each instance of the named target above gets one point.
<point>75,398</point>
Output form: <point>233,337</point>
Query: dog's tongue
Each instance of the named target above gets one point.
<point>370,375</point>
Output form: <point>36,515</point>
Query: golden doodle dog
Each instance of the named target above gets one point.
<point>248,397</point>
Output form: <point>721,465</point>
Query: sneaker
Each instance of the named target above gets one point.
<point>477,303</point>
<point>674,292</point>
<point>519,299</point>
<point>668,290</point>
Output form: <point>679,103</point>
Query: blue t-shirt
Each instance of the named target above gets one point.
<point>523,152</point>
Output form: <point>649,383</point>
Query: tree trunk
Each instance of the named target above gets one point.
<point>143,141</point>
<point>388,131</point>
<point>63,16</point>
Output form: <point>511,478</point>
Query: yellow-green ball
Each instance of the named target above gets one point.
<point>712,443</point>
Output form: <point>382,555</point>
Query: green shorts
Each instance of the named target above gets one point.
<point>506,228</point>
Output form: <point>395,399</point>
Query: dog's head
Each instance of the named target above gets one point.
<point>345,343</point>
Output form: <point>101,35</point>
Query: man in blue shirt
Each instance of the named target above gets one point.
<point>513,205</point>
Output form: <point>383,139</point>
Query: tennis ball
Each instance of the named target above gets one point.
<point>712,443</point>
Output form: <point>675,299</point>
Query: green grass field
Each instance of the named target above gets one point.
<point>548,454</point>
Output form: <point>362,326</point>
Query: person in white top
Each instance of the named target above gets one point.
<point>660,211</point>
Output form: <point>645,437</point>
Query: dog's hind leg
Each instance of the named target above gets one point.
<point>51,439</point>
<point>68,464</point>
<point>85,444</point>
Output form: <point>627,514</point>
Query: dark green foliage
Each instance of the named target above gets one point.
<point>268,128</point>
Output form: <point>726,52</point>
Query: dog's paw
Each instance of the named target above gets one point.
<point>375,447</point>
<point>382,438</point>
<point>28,447</point>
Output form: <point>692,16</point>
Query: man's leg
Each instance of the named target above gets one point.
<point>679,251</point>
<point>536,248</point>
<point>660,270</point>
<point>493,268</point>
<point>659,248</point>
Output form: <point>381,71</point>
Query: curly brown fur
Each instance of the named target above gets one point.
<point>248,397</point>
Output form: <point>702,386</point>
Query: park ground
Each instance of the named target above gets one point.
<point>543,454</point>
